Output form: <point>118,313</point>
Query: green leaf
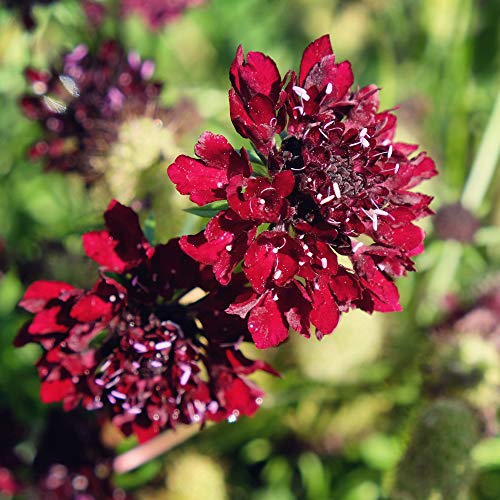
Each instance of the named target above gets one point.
<point>150,229</point>
<point>208,210</point>
<point>254,158</point>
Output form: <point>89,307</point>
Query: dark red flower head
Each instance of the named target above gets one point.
<point>138,343</point>
<point>158,13</point>
<point>81,105</point>
<point>25,7</point>
<point>334,183</point>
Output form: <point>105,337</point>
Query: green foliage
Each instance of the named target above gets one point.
<point>334,426</point>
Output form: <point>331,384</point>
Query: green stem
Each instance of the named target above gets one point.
<point>485,163</point>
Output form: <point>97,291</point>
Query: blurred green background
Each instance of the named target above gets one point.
<point>352,417</point>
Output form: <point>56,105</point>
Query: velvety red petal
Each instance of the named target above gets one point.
<point>266,324</point>
<point>57,390</point>
<point>145,433</point>
<point>40,292</point>
<point>201,182</point>
<point>284,182</point>
<point>244,303</point>
<point>46,322</point>
<point>313,54</point>
<point>100,246</point>
<point>123,225</point>
<point>243,397</point>
<point>258,75</point>
<point>90,308</point>
<point>325,312</point>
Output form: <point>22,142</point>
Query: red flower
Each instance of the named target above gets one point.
<point>158,13</point>
<point>132,345</point>
<point>81,107</point>
<point>336,185</point>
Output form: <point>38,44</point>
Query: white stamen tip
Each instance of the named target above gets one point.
<point>329,89</point>
<point>277,274</point>
<point>275,250</point>
<point>396,168</point>
<point>262,201</point>
<point>163,345</point>
<point>324,262</point>
<point>229,248</point>
<point>329,198</point>
<point>185,375</point>
<point>389,152</point>
<point>363,132</point>
<point>336,190</point>
<point>140,347</point>
<point>302,93</point>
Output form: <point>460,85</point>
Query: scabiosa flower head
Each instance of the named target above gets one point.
<point>336,185</point>
<point>132,345</point>
<point>455,222</point>
<point>158,13</point>
<point>72,462</point>
<point>25,9</point>
<point>82,106</point>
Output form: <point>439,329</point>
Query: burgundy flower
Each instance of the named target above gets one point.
<point>335,185</point>
<point>25,7</point>
<point>455,222</point>
<point>70,461</point>
<point>82,106</point>
<point>133,345</point>
<point>158,13</point>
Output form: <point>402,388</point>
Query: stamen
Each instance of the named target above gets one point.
<point>323,134</point>
<point>329,198</point>
<point>185,375</point>
<point>163,345</point>
<point>302,93</point>
<point>140,348</point>
<point>324,262</point>
<point>389,152</point>
<point>329,89</point>
<point>336,190</point>
<point>277,274</point>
